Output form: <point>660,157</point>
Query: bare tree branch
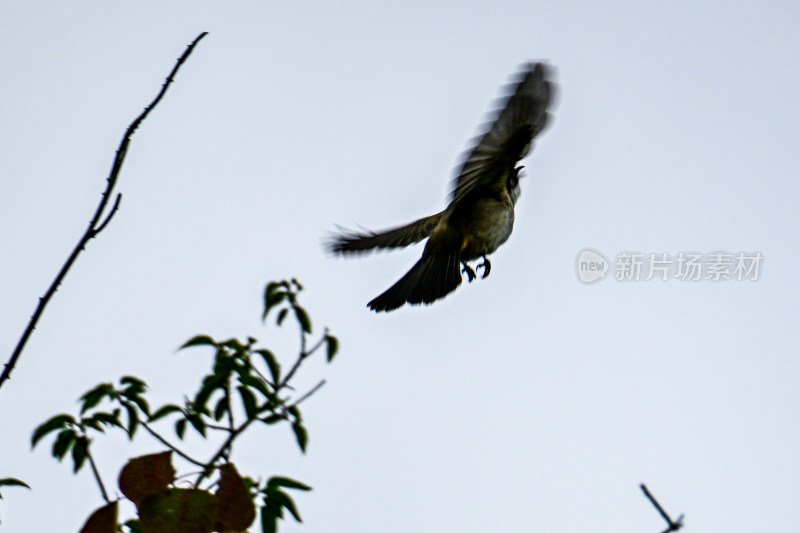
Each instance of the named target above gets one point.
<point>672,525</point>
<point>95,225</point>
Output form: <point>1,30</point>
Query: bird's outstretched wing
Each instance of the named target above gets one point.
<point>509,136</point>
<point>353,242</point>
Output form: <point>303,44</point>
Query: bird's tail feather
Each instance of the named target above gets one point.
<point>434,276</point>
<point>354,242</point>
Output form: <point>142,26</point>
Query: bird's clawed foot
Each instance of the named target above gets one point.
<point>466,269</point>
<point>487,267</point>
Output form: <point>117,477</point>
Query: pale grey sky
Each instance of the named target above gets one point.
<point>526,401</point>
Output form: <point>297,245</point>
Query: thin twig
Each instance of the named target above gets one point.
<point>97,475</point>
<point>291,372</point>
<point>260,375</point>
<point>130,405</point>
<point>309,393</point>
<point>231,423</point>
<point>673,525</point>
<point>209,466</point>
<point>166,443</point>
<point>95,226</point>
<point>302,357</point>
<point>319,342</point>
<point>218,428</point>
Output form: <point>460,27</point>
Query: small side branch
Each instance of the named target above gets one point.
<point>103,224</point>
<point>304,353</point>
<point>97,476</point>
<point>307,395</point>
<point>95,225</point>
<point>673,525</point>
<point>208,468</point>
<point>169,445</point>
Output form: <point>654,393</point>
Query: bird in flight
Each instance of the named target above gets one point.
<point>480,215</point>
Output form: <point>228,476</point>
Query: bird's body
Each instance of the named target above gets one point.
<point>480,216</point>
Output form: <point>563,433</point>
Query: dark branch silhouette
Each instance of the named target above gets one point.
<point>95,225</point>
<point>673,525</point>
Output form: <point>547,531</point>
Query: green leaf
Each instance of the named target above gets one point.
<point>258,384</point>
<point>109,419</point>
<point>302,318</point>
<point>180,428</point>
<point>93,397</point>
<point>210,385</point>
<point>301,435</point>
<point>133,420</point>
<point>277,481</point>
<point>80,452</point>
<point>164,411</point>
<point>63,442</point>
<point>199,340</point>
<point>141,403</point>
<point>282,315</point>
<point>286,502</point>
<point>135,386</point>
<point>269,520</point>
<point>249,402</point>
<point>198,423</point>
<point>178,510</point>
<point>274,294</point>
<point>221,408</point>
<point>55,423</point>
<point>234,345</point>
<point>91,423</point>
<point>224,363</point>
<point>272,364</point>
<point>332,345</point>
<point>273,419</point>
<point>13,482</point>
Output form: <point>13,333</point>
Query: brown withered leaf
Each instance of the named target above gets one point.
<point>235,509</point>
<point>103,520</point>
<point>145,475</point>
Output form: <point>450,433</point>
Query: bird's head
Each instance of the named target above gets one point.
<point>513,183</point>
